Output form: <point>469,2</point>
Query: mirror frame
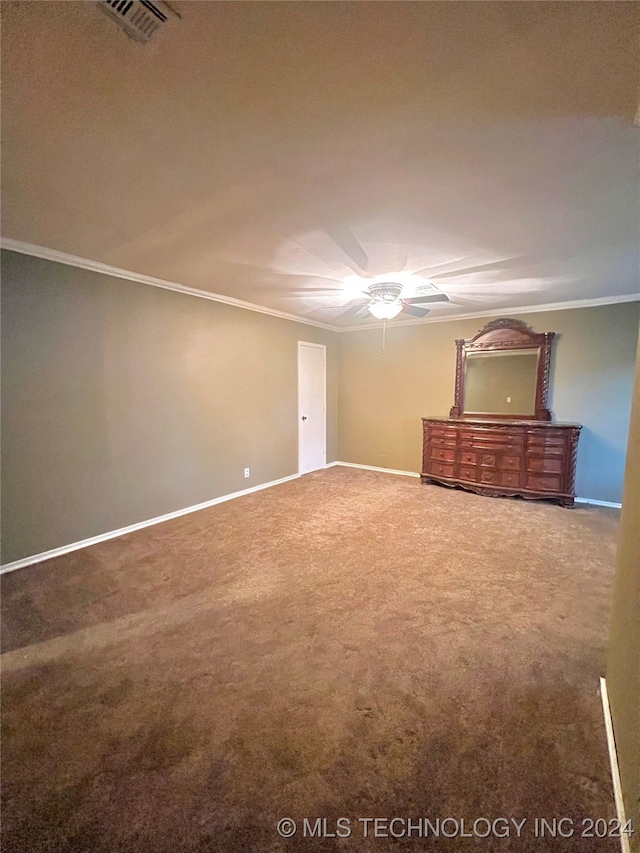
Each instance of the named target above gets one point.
<point>505,334</point>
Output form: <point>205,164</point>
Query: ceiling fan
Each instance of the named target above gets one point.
<point>384,301</point>
<point>383,298</point>
<point>335,250</point>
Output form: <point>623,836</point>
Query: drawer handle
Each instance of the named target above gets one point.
<point>441,453</point>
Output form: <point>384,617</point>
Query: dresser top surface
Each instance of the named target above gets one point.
<point>501,422</point>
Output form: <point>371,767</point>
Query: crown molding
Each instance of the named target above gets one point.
<point>507,312</point>
<point>105,269</point>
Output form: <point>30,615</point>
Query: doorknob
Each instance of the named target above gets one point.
<point>304,417</point>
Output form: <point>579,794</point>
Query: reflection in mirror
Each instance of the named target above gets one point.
<point>501,383</point>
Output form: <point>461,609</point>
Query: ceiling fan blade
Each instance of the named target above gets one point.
<point>356,311</point>
<point>414,311</point>
<point>348,242</point>
<point>354,305</point>
<point>494,267</point>
<point>433,297</point>
<point>308,291</point>
<point>456,269</point>
<point>279,273</point>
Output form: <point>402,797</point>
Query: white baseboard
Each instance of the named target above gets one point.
<point>113,534</point>
<point>594,502</point>
<point>375,468</point>
<point>613,760</point>
<point>131,528</point>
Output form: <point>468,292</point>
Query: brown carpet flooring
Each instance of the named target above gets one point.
<point>349,644</point>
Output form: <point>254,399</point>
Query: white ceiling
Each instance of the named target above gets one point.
<point>268,151</point>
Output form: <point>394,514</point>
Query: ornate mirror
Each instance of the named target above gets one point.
<point>503,372</point>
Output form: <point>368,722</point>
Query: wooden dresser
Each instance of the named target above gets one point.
<point>533,459</point>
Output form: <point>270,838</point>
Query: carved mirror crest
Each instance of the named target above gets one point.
<point>503,372</point>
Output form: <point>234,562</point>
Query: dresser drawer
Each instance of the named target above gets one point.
<point>510,463</point>
<point>500,478</point>
<point>489,434</point>
<point>554,440</point>
<point>502,444</point>
<point>442,431</point>
<point>468,472</point>
<point>550,432</point>
<point>489,475</point>
<point>542,483</point>
<point>545,464</point>
<point>442,440</point>
<point>549,445</point>
<point>440,469</point>
<point>488,459</point>
<point>442,454</point>
<point>510,479</point>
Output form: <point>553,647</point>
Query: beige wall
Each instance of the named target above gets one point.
<point>383,397</point>
<point>623,669</point>
<point>122,402</point>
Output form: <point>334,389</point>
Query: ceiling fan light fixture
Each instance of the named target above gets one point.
<point>385,291</point>
<point>385,310</point>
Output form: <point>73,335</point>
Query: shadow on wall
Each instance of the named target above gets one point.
<point>600,468</point>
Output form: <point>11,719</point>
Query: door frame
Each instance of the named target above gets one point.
<point>324,401</point>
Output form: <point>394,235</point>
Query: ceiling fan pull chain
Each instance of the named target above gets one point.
<point>384,337</point>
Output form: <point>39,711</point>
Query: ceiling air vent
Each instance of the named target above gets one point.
<point>140,19</point>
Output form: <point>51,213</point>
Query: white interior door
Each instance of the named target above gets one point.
<point>312,427</point>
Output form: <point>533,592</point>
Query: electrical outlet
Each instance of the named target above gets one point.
<point>246,472</point>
